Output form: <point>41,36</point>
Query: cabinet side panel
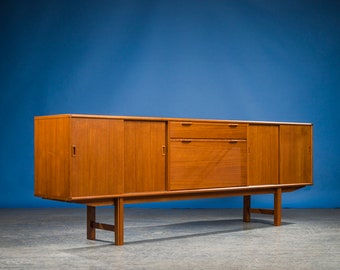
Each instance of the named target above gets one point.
<point>98,158</point>
<point>295,154</point>
<point>263,154</point>
<point>144,156</point>
<point>51,158</point>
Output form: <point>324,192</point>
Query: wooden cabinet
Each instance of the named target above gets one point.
<point>279,154</point>
<point>78,157</point>
<point>105,160</point>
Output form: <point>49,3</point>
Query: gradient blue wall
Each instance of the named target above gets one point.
<point>248,60</point>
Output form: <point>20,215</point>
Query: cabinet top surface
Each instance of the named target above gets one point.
<point>145,118</point>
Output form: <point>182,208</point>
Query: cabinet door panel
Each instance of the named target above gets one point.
<point>295,154</point>
<point>144,156</point>
<point>263,154</point>
<point>97,157</point>
<point>206,164</point>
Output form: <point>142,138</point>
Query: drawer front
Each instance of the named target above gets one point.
<point>205,130</point>
<point>207,164</point>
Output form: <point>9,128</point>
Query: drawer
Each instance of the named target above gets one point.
<point>207,164</point>
<point>207,130</point>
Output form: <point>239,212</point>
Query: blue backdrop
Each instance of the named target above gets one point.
<point>237,59</point>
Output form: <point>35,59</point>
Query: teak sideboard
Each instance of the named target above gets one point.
<point>112,160</point>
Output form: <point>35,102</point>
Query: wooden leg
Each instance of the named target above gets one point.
<point>91,219</point>
<point>277,206</point>
<point>246,208</point>
<point>119,221</point>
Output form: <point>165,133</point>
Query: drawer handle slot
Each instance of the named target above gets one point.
<point>233,125</point>
<point>186,123</point>
<point>186,141</point>
<point>233,141</point>
<point>74,150</point>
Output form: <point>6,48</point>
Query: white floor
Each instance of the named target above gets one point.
<point>170,239</point>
